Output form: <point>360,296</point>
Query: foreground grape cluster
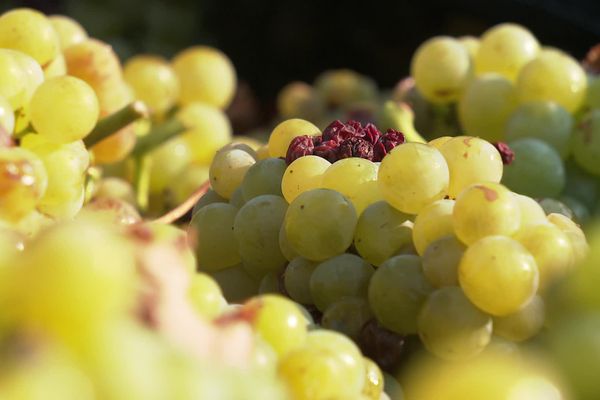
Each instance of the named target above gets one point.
<point>363,250</point>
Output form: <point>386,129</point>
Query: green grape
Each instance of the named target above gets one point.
<point>284,245</point>
<point>153,81</point>
<point>237,285</point>
<point>451,327</point>
<point>209,129</point>
<point>392,387</point>
<point>30,32</point>
<point>7,116</point>
<point>187,182</point>
<point>382,232</point>
<point>441,260</point>
<point>551,249</point>
<point>296,279</point>
<point>412,176</point>
<point>531,211</point>
<point>485,209</point>
<point>586,143</point>
<point>227,170</point>
<point>581,214</point>
<point>523,324</point>
<point>13,80</point>
<point>593,92</point>
<point>432,223</point>
<point>355,178</point>
<point>282,135</point>
<point>256,229</point>
<point>345,275</point>
<point>344,350</point>
<point>347,315</point>
<point>206,75</point>
<point>553,76</point>
<point>215,243</point>
<point>279,322</point>
<point>486,105</point>
<point>68,30</point>
<point>237,198</point>
<point>544,120</point>
<point>551,206</point>
<point>209,197</point>
<point>498,275</point>
<point>319,224</point>
<point>343,87</point>
<point>23,182</point>
<point>264,177</point>
<point>300,100</point>
<point>206,296</point>
<point>441,68</point>
<point>373,388</point>
<point>537,170</point>
<point>581,185</point>
<point>505,49</point>
<point>471,44</point>
<point>269,283</point>
<point>576,236</point>
<point>396,293</point>
<point>303,174</point>
<point>64,109</point>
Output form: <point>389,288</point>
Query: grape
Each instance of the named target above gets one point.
<point>396,293</point>
<point>168,161</point>
<point>281,137</point>
<point>553,76</point>
<point>319,224</point>
<point>355,178</point>
<point>551,249</point>
<point>544,120</point>
<point>269,283</point>
<point>471,44</point>
<point>523,324</point>
<point>237,285</point>
<point>209,197</point>
<point>187,182</point>
<point>31,32</point>
<point>209,130</point>
<point>441,67</point>
<point>13,80</point>
<point>581,214</point>
<point>498,275</point>
<point>485,209</point>
<point>284,245</point>
<point>433,222</point>
<point>153,81</point>
<point>451,327</point>
<point>537,169</point>
<point>486,105</point>
<point>382,232</point>
<point>111,210</point>
<point>586,143</point>
<point>551,206</point>
<point>206,75</point>
<point>593,92</point>
<point>531,211</point>
<point>304,173</point>
<point>470,160</point>
<point>34,75</point>
<point>347,315</point>
<point>23,182</point>
<point>279,321</point>
<point>441,260</point>
<point>296,279</point>
<point>299,100</point>
<point>116,147</point>
<point>576,236</point>
<point>228,169</point>
<point>439,142</point>
<point>264,177</point>
<point>373,388</point>
<point>345,275</point>
<point>64,109</point>
<point>7,117</point>
<point>57,67</point>
<point>505,49</point>
<point>341,87</point>
<point>215,243</point>
<point>581,185</point>
<point>256,229</point>
<point>68,30</point>
<point>237,198</point>
<point>206,296</point>
<point>412,176</point>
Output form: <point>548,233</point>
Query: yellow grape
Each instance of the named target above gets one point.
<point>23,182</point>
<point>341,87</point>
<point>168,161</point>
<point>303,174</point>
<point>505,49</point>
<point>373,387</point>
<point>470,160</point>
<point>115,188</point>
<point>187,182</point>
<point>300,100</point>
<point>209,130</point>
<point>355,178</point>
<point>485,209</point>
<point>115,147</point>
<point>531,211</point>
<point>523,324</point>
<point>412,176</point>
<point>282,135</point>
<point>576,236</point>
<point>13,79</point>
<point>31,32</point>
<point>228,169</point>
<point>69,31</point>
<point>33,73</point>
<point>64,109</point>
<point>206,296</point>
<point>206,75</point>
<point>471,44</point>
<point>439,142</point>
<point>58,67</point>
<point>153,81</point>
<point>498,275</point>
<point>7,116</point>
<point>433,222</point>
<point>262,152</point>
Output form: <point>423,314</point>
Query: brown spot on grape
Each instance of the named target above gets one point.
<point>489,194</point>
<point>466,155</point>
<point>467,141</point>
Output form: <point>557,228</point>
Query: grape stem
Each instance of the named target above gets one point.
<point>184,207</point>
<point>115,122</point>
<point>157,136</point>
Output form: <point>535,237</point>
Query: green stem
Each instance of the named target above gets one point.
<point>142,181</point>
<point>157,136</point>
<point>115,122</point>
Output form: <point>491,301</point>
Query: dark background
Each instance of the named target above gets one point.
<point>272,42</point>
